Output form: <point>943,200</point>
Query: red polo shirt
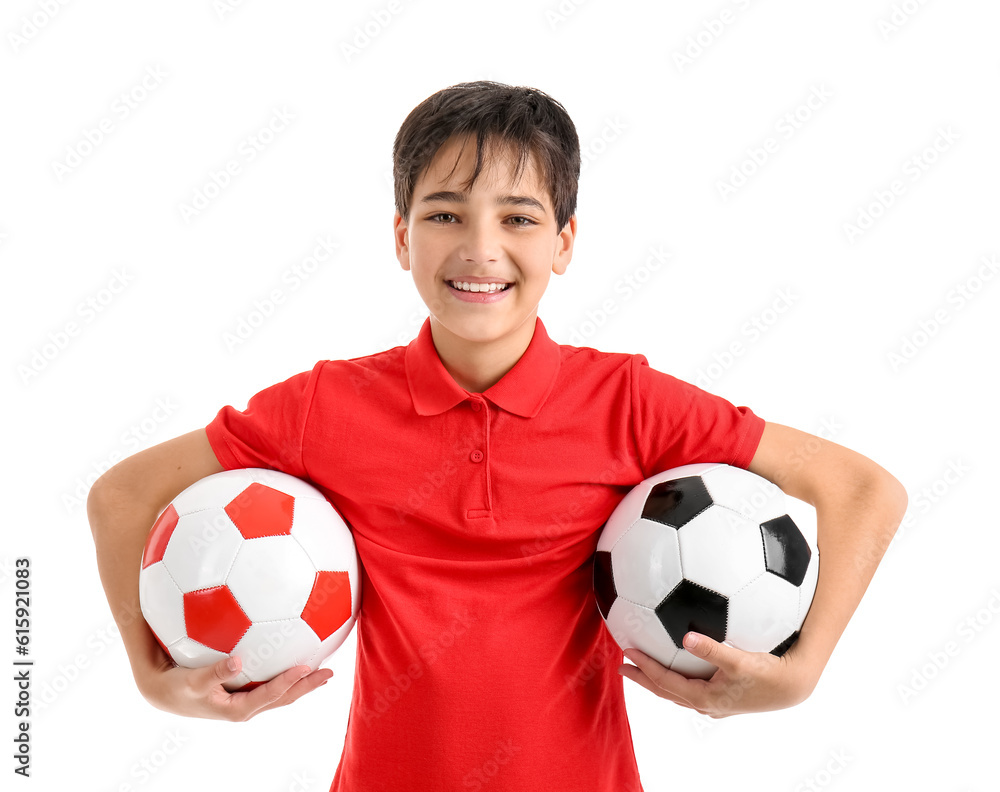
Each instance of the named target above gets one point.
<point>482,660</point>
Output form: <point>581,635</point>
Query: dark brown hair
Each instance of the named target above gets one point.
<point>526,119</point>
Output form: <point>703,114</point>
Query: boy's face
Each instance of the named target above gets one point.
<point>499,230</point>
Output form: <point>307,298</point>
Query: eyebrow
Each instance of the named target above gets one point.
<point>503,200</point>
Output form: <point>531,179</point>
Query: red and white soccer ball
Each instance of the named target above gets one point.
<point>254,563</point>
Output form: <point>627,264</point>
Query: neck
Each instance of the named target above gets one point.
<point>479,365</point>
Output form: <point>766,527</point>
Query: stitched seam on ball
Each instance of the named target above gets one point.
<point>704,483</point>
<point>199,511</point>
<point>244,632</point>
<point>653,609</point>
<point>693,516</point>
<point>312,657</point>
<point>799,615</point>
<point>183,616</point>
<point>624,533</point>
<point>750,583</point>
<point>734,511</point>
<point>243,540</point>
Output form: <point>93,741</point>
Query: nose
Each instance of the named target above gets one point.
<point>480,242</point>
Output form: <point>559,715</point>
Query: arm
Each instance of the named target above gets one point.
<point>858,506</point>
<point>121,507</point>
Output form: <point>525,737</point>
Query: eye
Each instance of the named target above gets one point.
<point>527,221</point>
<point>441,214</point>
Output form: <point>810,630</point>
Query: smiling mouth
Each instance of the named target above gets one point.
<point>479,288</point>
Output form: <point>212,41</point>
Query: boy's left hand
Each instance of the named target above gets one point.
<point>745,681</point>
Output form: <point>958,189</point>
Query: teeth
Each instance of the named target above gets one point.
<point>478,287</point>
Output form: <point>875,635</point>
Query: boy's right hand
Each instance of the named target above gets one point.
<point>122,505</point>
<point>198,692</point>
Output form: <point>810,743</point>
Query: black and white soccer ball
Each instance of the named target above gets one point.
<point>709,548</point>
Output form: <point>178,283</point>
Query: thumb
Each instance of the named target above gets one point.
<point>706,648</point>
<point>225,669</point>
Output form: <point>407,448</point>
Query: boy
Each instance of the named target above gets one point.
<point>476,466</point>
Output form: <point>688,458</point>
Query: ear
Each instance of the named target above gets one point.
<point>564,247</point>
<point>401,236</point>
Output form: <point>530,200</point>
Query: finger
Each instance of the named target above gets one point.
<point>640,678</point>
<point>738,673</point>
<point>664,680</point>
<point>223,671</point>
<point>246,705</point>
<point>728,658</point>
<point>306,684</point>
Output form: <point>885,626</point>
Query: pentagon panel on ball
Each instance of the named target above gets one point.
<point>251,563</point>
<point>708,548</point>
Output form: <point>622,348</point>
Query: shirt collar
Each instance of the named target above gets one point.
<point>522,390</point>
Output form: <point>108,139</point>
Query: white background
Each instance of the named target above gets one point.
<point>659,135</point>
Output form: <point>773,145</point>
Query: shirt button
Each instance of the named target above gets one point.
<point>476,456</point>
<point>476,406</point>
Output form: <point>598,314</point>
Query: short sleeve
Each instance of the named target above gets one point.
<point>676,423</point>
<point>269,432</point>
